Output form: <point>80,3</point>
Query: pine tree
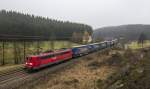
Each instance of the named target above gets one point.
<point>14,23</point>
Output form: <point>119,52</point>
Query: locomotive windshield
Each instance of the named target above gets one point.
<point>28,58</point>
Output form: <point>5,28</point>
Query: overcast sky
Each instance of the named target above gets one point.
<point>97,13</point>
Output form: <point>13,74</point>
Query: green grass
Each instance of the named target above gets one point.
<point>31,49</point>
<point>135,45</point>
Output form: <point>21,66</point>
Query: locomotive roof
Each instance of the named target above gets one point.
<point>80,46</point>
<point>54,52</point>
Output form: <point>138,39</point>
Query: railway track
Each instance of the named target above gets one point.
<point>11,75</point>
<point>12,80</point>
<point>10,71</point>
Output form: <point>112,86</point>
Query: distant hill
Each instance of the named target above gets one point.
<point>129,32</point>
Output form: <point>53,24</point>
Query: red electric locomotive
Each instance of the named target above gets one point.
<point>45,59</point>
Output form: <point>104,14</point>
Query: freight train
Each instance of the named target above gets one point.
<point>35,62</point>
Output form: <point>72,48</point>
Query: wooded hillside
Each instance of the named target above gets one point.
<point>128,32</point>
<point>14,23</point>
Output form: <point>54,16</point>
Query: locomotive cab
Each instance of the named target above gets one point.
<point>32,62</point>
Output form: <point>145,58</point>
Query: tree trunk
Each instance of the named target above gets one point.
<point>3,52</point>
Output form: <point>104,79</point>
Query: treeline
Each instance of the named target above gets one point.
<point>127,32</point>
<point>14,23</point>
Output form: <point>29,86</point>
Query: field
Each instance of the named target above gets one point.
<point>14,52</point>
<point>135,45</point>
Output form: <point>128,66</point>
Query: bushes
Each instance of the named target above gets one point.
<point>115,60</point>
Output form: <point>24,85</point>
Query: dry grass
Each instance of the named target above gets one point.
<point>98,71</point>
<point>80,75</point>
<point>135,45</point>
<point>134,71</point>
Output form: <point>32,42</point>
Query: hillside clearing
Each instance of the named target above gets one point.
<point>135,45</point>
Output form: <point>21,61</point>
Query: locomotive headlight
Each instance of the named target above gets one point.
<point>30,63</point>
